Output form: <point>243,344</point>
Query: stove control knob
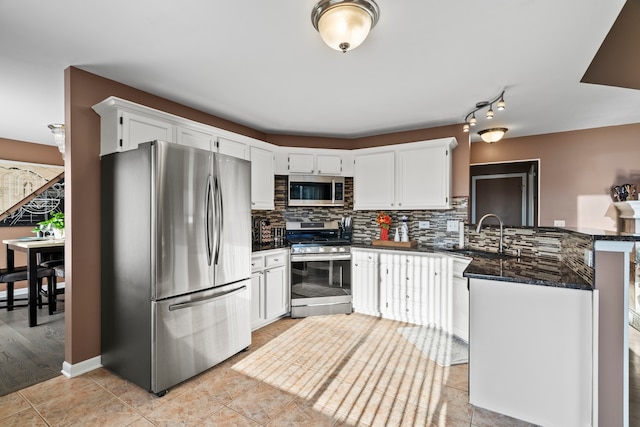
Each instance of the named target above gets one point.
<point>308,249</point>
<point>320,249</point>
<point>341,249</point>
<point>334,249</point>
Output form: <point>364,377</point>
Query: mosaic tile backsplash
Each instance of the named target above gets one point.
<point>365,227</point>
<point>527,241</point>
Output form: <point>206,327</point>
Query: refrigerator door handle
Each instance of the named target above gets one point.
<point>206,300</point>
<point>219,219</point>
<point>208,219</point>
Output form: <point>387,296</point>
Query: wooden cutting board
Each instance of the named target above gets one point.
<point>394,244</point>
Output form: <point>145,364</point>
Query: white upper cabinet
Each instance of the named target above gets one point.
<point>195,138</point>
<point>233,148</point>
<point>313,161</point>
<point>302,163</point>
<point>410,176</point>
<point>329,164</point>
<point>374,181</point>
<point>262,178</point>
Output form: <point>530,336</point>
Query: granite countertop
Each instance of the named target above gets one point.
<point>257,247</point>
<point>491,266</point>
<point>531,271</point>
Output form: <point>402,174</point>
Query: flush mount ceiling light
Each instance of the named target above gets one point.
<point>470,119</point>
<point>344,24</point>
<point>492,135</point>
<point>58,136</point>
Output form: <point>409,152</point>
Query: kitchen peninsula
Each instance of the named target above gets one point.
<point>546,329</point>
<point>552,337</point>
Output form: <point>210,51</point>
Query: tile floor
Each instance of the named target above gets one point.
<point>319,371</point>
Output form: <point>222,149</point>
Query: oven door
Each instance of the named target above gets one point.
<point>320,284</point>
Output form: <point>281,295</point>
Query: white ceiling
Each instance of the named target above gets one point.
<point>261,63</point>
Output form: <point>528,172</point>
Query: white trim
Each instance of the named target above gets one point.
<point>613,246</point>
<point>595,327</point>
<point>77,369</point>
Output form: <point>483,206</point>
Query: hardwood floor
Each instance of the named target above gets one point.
<point>30,355</point>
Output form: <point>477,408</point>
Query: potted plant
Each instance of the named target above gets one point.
<point>54,225</point>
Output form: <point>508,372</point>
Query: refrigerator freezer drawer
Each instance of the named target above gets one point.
<point>192,333</point>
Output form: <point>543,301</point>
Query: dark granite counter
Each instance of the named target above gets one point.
<point>598,234</point>
<point>491,266</point>
<point>257,247</point>
<point>531,271</point>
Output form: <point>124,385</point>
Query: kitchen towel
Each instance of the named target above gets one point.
<point>438,345</point>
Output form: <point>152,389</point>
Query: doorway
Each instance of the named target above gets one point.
<point>509,190</point>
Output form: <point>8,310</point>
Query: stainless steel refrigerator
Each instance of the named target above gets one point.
<point>176,262</point>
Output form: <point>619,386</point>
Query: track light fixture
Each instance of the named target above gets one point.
<point>488,135</point>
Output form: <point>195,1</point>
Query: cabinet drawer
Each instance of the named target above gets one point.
<point>275,259</point>
<point>257,263</point>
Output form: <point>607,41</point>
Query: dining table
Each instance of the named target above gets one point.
<point>33,247</point>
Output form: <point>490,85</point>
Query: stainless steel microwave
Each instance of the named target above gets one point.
<point>315,190</point>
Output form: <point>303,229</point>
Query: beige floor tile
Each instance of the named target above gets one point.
<point>115,413</point>
<point>485,418</point>
<point>142,422</point>
<point>225,417</point>
<point>262,403</point>
<point>189,408</point>
<point>55,388</point>
<point>301,413</point>
<point>25,418</point>
<point>12,403</point>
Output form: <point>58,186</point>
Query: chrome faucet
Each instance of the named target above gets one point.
<point>501,247</point>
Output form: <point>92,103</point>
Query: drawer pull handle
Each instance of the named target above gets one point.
<point>276,260</point>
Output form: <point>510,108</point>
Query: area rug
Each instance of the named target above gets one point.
<point>443,348</point>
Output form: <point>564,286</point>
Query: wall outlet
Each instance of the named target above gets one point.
<point>588,257</point>
<point>423,225</point>
<point>453,225</point>
<point>558,222</point>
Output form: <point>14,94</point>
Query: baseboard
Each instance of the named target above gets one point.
<point>77,369</point>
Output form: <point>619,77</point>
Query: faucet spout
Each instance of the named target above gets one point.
<point>501,244</point>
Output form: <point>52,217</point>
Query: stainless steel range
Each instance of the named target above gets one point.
<point>320,268</point>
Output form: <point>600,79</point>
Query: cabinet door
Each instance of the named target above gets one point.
<point>257,299</point>
<point>329,164</point>
<point>137,129</point>
<point>460,299</point>
<point>194,138</point>
<point>365,283</point>
<point>423,177</point>
<point>232,148</point>
<point>301,163</point>
<point>262,179</point>
<point>276,292</point>
<point>374,181</point>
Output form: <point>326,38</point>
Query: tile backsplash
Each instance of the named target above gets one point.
<point>528,241</point>
<point>365,227</point>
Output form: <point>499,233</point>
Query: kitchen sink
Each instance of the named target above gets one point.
<point>477,253</point>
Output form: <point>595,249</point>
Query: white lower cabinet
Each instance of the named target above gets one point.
<point>269,287</point>
<point>531,352</point>
<point>365,282</point>
<point>418,288</point>
<point>460,298</point>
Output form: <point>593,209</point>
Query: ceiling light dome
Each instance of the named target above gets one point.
<point>492,135</point>
<point>344,24</point>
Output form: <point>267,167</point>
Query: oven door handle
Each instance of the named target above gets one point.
<point>301,258</point>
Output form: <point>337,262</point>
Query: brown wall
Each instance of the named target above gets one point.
<point>20,151</point>
<point>574,166</point>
